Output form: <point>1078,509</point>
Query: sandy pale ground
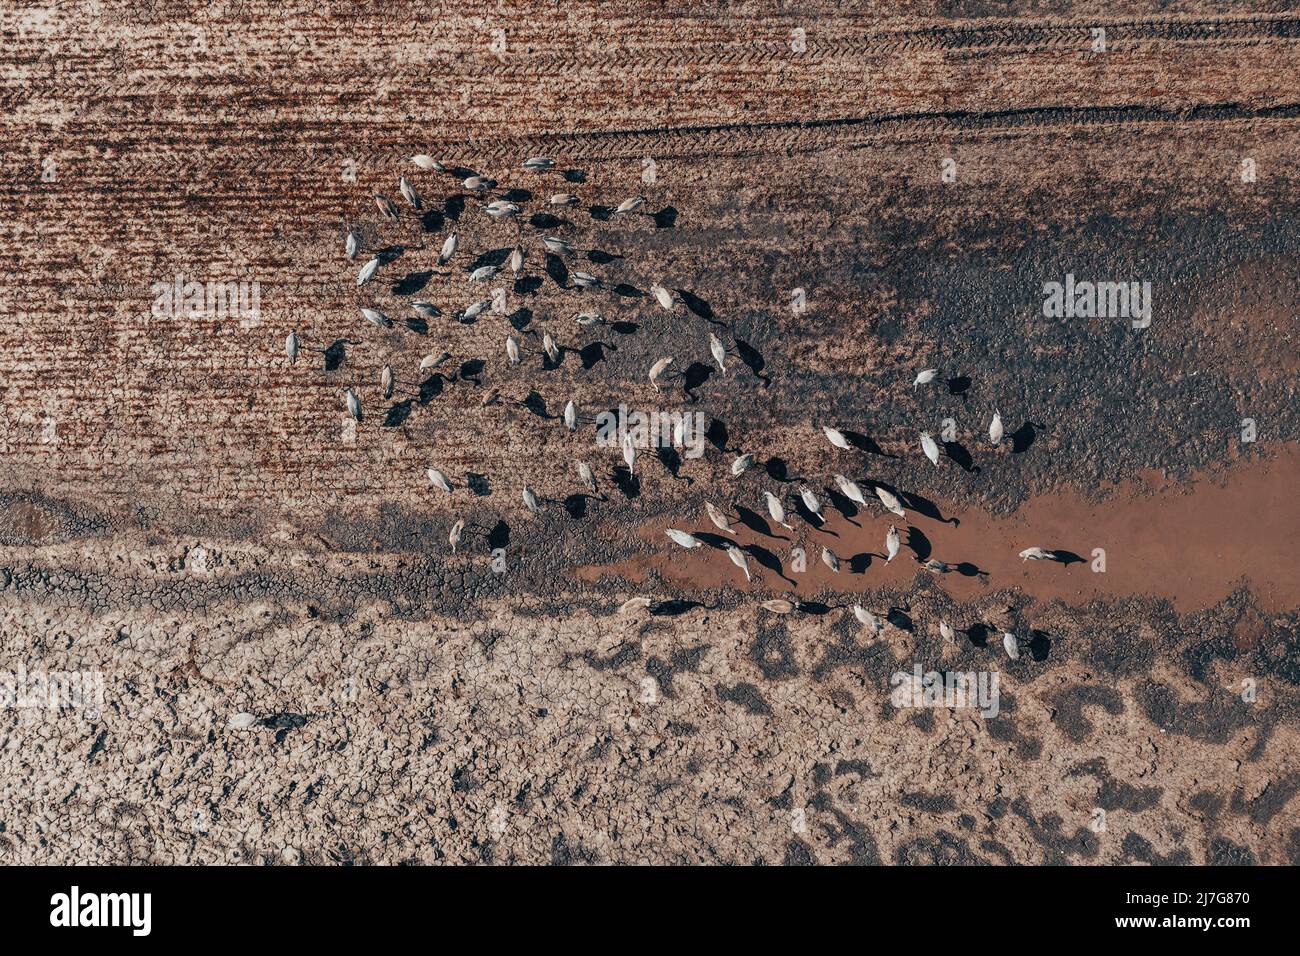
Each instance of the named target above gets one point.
<point>296,666</point>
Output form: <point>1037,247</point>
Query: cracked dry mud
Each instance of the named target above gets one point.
<point>186,512</point>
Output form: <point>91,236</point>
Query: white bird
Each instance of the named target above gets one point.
<point>408,192</point>
<point>1036,554</point>
<point>776,509</point>
<point>557,246</point>
<point>719,351</point>
<point>851,490</point>
<point>538,164</point>
<point>426,309</point>
<point>428,163</point>
<point>584,472</point>
<point>777,606</point>
<point>475,310</point>
<point>479,183</point>
<point>1011,644</point>
<point>352,245</point>
<point>662,296</point>
<point>930,448</point>
<point>946,631</point>
<point>925,376</point>
<point>483,273</point>
<point>682,538</point>
<point>866,619</point>
<point>571,416</point>
<point>658,369</point>
<point>892,544</point>
<point>375,317</point>
<point>812,504</point>
<point>634,604</point>
<point>517,260</point>
<point>530,500</point>
<point>291,346</point>
<point>501,209</point>
<point>564,199</point>
<point>386,381</point>
<point>354,404</point>
<point>717,517</point>
<point>937,566</point>
<point>830,560</point>
<point>433,360</point>
<point>448,249</point>
<point>738,559</point>
<point>740,464</point>
<point>512,350</point>
<point>629,205</point>
<point>550,348</point>
<point>368,271</point>
<point>890,502</point>
<point>588,319</point>
<point>995,428</point>
<point>439,479</point>
<point>836,437</point>
<point>629,454</point>
<point>584,280</point>
<point>387,207</point>
<point>454,538</point>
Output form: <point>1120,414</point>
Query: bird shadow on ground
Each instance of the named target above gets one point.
<point>859,563</point>
<point>492,257</point>
<point>756,522</point>
<point>959,385</point>
<point>418,325</point>
<point>899,618</point>
<point>520,318</point>
<point>453,207</point>
<point>499,536</point>
<point>336,353</point>
<point>430,388</point>
<point>557,270</point>
<point>695,375</point>
<point>716,434</point>
<point>593,353</point>
<point>803,511</point>
<point>527,285</point>
<point>518,194</point>
<point>628,291</point>
<point>865,443</point>
<point>978,634</point>
<point>1024,436</point>
<point>968,570</point>
<point>672,462</point>
<point>536,404</point>
<point>1040,645</point>
<point>411,283</point>
<point>752,358</point>
<point>626,482</point>
<point>397,414</point>
<point>623,327</point>
<point>921,505</point>
<point>574,175</point>
<point>847,508</point>
<point>1067,558</point>
<point>767,559</point>
<point>957,452</point>
<point>919,543</point>
<point>545,220</point>
<point>779,470</point>
<point>576,504</point>
<point>698,306</point>
<point>665,218</point>
<point>601,257</point>
<point>673,607</point>
<point>714,540</point>
<point>470,369</point>
<point>479,485</point>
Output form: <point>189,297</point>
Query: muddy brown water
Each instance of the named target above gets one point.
<point>1192,544</point>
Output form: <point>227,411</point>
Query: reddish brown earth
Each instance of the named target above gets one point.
<point>297,667</point>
